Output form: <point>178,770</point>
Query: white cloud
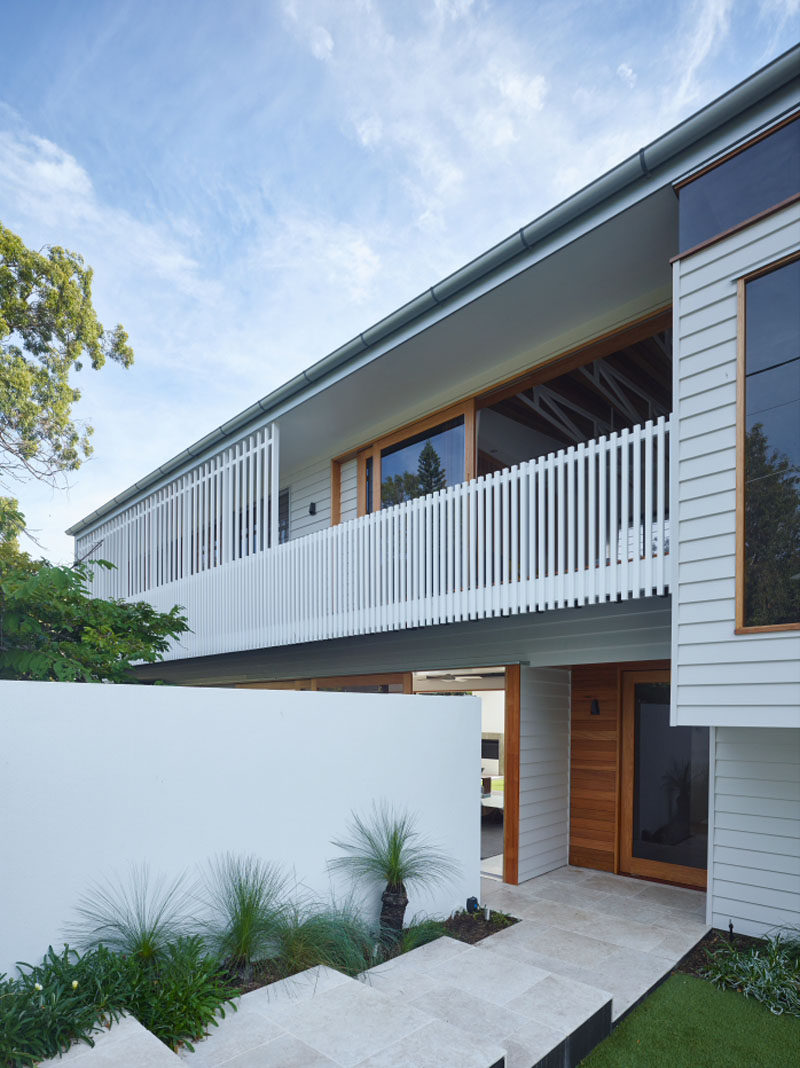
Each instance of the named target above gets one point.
<point>432,131</point>
<point>453,9</point>
<point>321,43</point>
<point>627,74</point>
<point>48,186</point>
<point>369,130</point>
<point>708,24</point>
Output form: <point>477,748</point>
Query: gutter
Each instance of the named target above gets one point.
<point>642,164</point>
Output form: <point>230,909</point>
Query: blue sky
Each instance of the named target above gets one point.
<point>254,182</point>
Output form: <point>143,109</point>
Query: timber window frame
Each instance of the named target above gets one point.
<point>560,363</point>
<point>368,457</point>
<point>740,627</point>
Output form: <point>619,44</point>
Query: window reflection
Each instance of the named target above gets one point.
<point>772,448</point>
<point>758,178</point>
<point>423,464</point>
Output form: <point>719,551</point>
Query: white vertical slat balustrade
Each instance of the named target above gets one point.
<point>587,524</point>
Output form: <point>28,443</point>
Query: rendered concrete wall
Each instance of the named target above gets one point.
<point>97,778</point>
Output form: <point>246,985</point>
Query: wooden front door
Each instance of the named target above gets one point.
<point>663,786</point>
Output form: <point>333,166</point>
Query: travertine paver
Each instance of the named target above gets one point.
<point>535,989</point>
<point>125,1043</point>
<point>606,931</point>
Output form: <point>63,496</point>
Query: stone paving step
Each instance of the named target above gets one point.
<point>536,995</point>
<point>322,1019</point>
<point>443,1005</point>
<point>126,1044</point>
<point>536,1017</point>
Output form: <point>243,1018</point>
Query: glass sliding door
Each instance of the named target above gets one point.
<point>664,804</point>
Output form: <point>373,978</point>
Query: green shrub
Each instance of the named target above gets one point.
<point>179,993</point>
<point>69,998</point>
<point>769,972</point>
<point>65,999</point>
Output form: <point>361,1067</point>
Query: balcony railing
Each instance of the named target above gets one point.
<point>585,525</point>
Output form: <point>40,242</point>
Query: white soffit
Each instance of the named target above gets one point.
<point>613,274</point>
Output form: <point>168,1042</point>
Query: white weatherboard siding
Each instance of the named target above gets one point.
<point>543,770</point>
<point>349,490</point>
<point>754,879</point>
<point>310,485</point>
<point>97,778</point>
<point>719,678</point>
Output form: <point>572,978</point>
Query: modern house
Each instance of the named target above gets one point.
<point>567,475</point>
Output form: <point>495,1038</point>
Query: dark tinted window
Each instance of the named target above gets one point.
<point>756,179</point>
<point>283,516</point>
<point>772,448</point>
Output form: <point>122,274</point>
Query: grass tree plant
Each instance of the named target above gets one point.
<point>138,916</point>
<point>387,848</point>
<point>246,903</point>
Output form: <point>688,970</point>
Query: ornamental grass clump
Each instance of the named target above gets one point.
<point>246,904</point>
<point>331,935</point>
<point>768,972</point>
<point>386,847</point>
<point>140,917</point>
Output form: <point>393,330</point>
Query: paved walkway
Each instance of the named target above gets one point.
<point>543,991</point>
<point>610,932</point>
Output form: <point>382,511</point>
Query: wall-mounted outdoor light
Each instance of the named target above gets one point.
<point>595,710</point>
<point>312,508</point>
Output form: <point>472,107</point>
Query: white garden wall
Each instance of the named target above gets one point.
<point>96,778</point>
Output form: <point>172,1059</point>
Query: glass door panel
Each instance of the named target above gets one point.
<point>664,807</point>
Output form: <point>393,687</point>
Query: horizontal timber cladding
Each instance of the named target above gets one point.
<point>348,489</point>
<point>719,677</point>
<point>309,486</point>
<point>598,634</point>
<point>594,767</point>
<point>754,880</point>
<point>543,771</point>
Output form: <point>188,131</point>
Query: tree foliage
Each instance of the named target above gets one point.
<point>48,328</point>
<point>430,476</point>
<point>772,534</point>
<point>398,488</point>
<point>430,473</point>
<point>51,628</point>
<point>50,625</point>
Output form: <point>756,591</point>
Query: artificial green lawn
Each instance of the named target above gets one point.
<point>688,1023</point>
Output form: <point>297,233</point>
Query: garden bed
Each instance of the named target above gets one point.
<point>696,960</point>
<point>472,927</point>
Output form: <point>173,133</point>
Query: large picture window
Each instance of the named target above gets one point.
<point>769,447</point>
<point>418,459</point>
<point>423,464</point>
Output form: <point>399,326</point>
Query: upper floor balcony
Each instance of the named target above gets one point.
<point>584,525</point>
